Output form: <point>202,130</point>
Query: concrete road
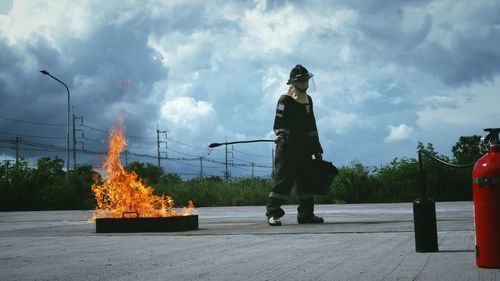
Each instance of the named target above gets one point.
<point>357,242</point>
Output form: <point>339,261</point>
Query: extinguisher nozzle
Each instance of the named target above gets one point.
<point>215,144</point>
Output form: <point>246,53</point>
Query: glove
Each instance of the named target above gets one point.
<point>280,140</point>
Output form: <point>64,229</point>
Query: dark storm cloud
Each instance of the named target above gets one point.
<point>113,56</point>
<point>26,96</point>
<point>94,74</point>
<point>471,57</point>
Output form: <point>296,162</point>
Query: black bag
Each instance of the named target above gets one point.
<point>321,176</point>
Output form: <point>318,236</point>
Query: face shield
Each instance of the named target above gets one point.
<point>311,83</point>
<point>303,85</point>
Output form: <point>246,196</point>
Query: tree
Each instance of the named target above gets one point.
<point>352,184</point>
<point>80,181</point>
<point>49,170</point>
<point>468,149</point>
<point>17,190</point>
<point>49,179</point>
<point>430,148</point>
<point>170,180</point>
<point>396,182</point>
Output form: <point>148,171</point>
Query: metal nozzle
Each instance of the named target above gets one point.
<point>492,138</point>
<point>215,144</point>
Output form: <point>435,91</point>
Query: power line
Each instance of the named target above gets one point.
<point>28,145</point>
<point>242,160</point>
<point>188,145</point>
<point>250,154</point>
<point>92,128</point>
<point>187,164</point>
<point>205,167</point>
<point>93,140</point>
<point>30,136</point>
<point>46,146</point>
<point>55,148</point>
<point>32,122</point>
<point>107,131</point>
<point>40,147</point>
<point>30,149</point>
<point>185,174</point>
<point>180,152</point>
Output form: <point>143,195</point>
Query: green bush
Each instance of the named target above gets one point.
<point>351,185</point>
<point>207,192</point>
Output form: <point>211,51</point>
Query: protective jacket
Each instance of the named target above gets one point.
<point>296,123</point>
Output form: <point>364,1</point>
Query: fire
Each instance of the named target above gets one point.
<point>124,194</point>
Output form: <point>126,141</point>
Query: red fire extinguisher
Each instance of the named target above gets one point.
<point>486,193</point>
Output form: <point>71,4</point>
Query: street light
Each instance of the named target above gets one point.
<point>45,72</point>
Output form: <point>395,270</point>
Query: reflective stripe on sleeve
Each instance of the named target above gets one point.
<point>280,131</point>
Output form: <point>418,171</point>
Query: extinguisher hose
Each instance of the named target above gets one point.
<point>423,173</point>
<point>216,144</point>
<point>433,157</point>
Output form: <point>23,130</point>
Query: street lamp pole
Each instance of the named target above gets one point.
<point>45,72</point>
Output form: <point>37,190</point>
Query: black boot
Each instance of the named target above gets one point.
<point>273,208</point>
<point>311,218</point>
<point>273,221</point>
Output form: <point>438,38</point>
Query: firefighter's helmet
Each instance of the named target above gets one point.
<point>299,73</point>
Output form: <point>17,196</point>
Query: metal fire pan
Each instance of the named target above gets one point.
<point>163,224</point>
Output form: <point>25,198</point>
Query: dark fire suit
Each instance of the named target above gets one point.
<point>295,123</point>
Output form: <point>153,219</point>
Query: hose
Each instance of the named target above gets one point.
<point>216,144</point>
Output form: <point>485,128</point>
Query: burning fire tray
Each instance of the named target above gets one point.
<point>162,224</point>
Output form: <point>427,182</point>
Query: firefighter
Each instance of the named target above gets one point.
<point>297,140</point>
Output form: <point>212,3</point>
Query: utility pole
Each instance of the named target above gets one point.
<point>158,145</point>
<point>226,173</point>
<point>253,165</point>
<point>74,138</point>
<point>126,157</point>
<point>158,142</point>
<point>201,167</point>
<point>16,142</point>
<point>74,143</point>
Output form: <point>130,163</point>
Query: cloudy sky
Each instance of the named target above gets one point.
<point>388,74</point>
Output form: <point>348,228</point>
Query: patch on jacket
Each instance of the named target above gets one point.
<point>308,108</point>
<point>280,109</point>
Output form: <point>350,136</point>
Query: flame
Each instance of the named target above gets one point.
<point>124,194</point>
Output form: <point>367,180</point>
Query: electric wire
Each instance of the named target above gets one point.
<point>192,146</point>
<point>30,136</point>
<point>250,154</point>
<point>28,145</point>
<point>32,122</point>
<point>180,152</point>
<point>107,132</point>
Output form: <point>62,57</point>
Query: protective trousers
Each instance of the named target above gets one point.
<point>292,162</point>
